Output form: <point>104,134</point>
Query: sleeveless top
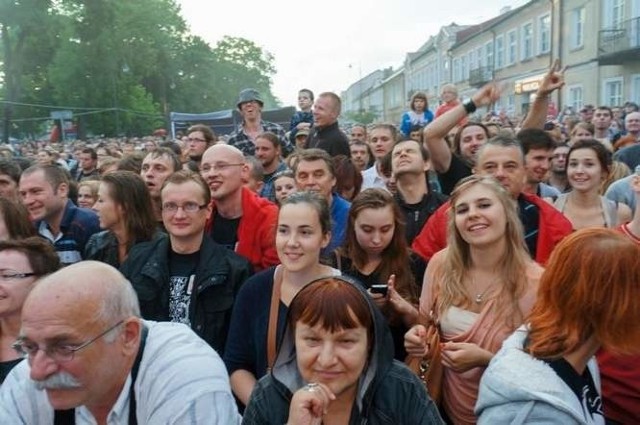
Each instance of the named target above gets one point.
<point>609,209</point>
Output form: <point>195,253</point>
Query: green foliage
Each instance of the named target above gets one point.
<point>120,65</point>
<point>362,117</point>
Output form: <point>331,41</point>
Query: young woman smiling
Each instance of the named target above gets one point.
<point>588,164</point>
<point>480,287</point>
<point>304,228</point>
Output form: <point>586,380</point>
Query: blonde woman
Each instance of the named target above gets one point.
<point>482,286</point>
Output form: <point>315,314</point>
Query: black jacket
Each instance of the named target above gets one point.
<point>219,275</point>
<point>329,138</point>
<point>388,392</point>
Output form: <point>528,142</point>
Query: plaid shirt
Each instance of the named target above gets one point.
<point>241,141</point>
<point>268,189</point>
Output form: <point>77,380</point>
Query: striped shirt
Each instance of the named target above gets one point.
<point>181,381</point>
<point>76,227</point>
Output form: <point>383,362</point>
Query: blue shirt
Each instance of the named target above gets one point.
<point>339,216</point>
<point>76,227</point>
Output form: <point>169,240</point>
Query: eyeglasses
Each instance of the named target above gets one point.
<point>58,353</point>
<point>8,275</point>
<point>188,207</point>
<point>195,139</point>
<point>218,166</point>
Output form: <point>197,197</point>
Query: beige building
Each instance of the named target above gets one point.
<point>597,40</point>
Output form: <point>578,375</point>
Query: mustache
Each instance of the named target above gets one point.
<point>58,381</point>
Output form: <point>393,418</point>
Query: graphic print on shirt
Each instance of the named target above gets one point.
<point>180,288</point>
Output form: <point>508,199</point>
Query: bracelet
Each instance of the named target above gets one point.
<point>469,106</point>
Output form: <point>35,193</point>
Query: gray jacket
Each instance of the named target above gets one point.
<point>519,389</point>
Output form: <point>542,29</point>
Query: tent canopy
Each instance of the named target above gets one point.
<point>225,122</point>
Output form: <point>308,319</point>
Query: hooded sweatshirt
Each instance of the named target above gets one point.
<point>388,392</point>
<point>517,388</point>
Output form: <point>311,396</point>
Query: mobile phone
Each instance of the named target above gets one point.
<point>379,288</point>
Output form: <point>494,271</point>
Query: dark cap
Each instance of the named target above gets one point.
<point>249,95</point>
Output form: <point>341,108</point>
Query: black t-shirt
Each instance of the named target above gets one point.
<point>458,170</point>
<point>417,214</point>
<point>225,231</point>
<point>582,385</point>
<point>182,274</point>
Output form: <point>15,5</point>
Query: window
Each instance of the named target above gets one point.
<point>635,88</point>
<point>512,47</point>
<point>472,59</point>
<point>463,67</point>
<point>613,13</point>
<point>527,41</point>
<point>457,74</point>
<point>499,51</point>
<point>612,91</point>
<point>479,57</point>
<point>488,54</point>
<point>577,28</point>
<point>544,31</point>
<point>575,97</point>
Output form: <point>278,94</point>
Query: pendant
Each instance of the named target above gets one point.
<point>479,299</point>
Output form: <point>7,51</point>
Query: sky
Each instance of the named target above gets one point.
<point>328,45</point>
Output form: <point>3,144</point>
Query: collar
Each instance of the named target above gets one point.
<point>119,413</point>
<point>328,127</point>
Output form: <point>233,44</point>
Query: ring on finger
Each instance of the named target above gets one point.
<point>312,387</point>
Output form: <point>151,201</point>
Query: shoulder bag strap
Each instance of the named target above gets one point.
<point>273,317</point>
<point>68,417</point>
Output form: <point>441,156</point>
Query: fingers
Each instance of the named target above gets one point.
<point>414,341</point>
<point>392,281</point>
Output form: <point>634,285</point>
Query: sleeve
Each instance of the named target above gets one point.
<point>239,351</point>
<point>269,255</point>
<point>218,408</point>
<point>405,124</point>
<point>433,236</point>
<point>263,407</point>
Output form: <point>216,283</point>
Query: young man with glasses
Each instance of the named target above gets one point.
<point>186,277</point>
<point>199,138</point>
<point>240,220</point>
<point>91,359</point>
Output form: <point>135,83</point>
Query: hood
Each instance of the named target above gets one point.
<point>513,376</point>
<point>285,369</point>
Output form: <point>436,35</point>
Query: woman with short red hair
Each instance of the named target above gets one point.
<point>589,297</point>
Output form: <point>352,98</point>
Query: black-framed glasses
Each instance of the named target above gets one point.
<point>218,166</point>
<point>59,353</point>
<point>9,275</point>
<point>188,207</point>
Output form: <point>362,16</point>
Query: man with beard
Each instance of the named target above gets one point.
<point>244,137</point>
<point>268,152</point>
<point>199,138</point>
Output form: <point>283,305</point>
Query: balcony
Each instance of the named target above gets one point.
<point>480,76</point>
<point>621,44</point>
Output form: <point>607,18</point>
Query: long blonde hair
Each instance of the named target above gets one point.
<point>513,263</point>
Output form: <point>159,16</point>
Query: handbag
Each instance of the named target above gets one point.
<point>429,368</point>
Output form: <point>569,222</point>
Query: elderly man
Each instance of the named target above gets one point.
<point>91,359</point>
<point>244,137</point>
<point>630,155</point>
<point>240,220</point>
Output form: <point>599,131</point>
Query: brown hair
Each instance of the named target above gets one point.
<point>43,259</point>
<point>16,219</point>
<point>591,287</point>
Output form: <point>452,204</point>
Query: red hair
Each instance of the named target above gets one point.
<point>591,287</point>
<point>333,303</point>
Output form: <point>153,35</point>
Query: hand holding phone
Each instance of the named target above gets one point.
<point>379,288</point>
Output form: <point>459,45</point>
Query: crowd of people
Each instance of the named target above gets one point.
<point>283,275</point>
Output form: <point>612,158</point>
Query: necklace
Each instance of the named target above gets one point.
<point>479,298</point>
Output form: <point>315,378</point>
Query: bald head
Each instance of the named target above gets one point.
<point>87,286</point>
<point>632,123</point>
<point>226,151</point>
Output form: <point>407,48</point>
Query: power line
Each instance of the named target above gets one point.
<point>7,102</point>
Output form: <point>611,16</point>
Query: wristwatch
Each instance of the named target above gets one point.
<point>469,106</point>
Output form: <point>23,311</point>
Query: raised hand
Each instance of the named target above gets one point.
<point>552,80</point>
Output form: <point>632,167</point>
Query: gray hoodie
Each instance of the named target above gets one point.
<point>517,388</point>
